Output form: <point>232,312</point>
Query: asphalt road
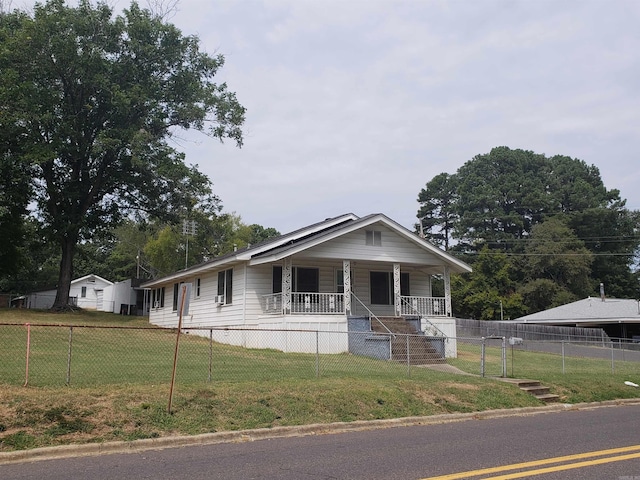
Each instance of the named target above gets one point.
<point>414,452</point>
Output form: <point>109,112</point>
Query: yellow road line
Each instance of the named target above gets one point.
<point>560,468</point>
<point>537,463</point>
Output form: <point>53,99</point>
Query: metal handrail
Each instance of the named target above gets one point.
<point>417,312</point>
<point>371,314</point>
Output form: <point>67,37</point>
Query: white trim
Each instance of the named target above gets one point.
<point>284,251</point>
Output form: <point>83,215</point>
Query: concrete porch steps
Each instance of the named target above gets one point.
<point>534,388</point>
<point>394,324</point>
<point>421,351</point>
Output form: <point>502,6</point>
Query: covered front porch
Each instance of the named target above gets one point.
<point>362,288</point>
<point>334,303</point>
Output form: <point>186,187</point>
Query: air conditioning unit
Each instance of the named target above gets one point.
<point>219,300</point>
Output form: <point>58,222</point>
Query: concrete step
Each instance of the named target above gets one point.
<point>548,398</point>
<point>393,324</point>
<point>421,352</point>
<point>534,388</point>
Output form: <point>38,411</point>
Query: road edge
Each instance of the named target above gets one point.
<point>137,446</point>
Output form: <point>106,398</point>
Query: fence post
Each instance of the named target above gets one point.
<point>612,358</point>
<point>26,373</point>
<point>317,355</point>
<point>408,359</point>
<point>184,290</point>
<point>562,357</point>
<point>504,357</point>
<point>210,352</point>
<point>482,359</point>
<point>69,356</point>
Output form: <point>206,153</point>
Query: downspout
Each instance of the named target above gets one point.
<point>244,297</point>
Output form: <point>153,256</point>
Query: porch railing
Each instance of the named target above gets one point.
<point>423,306</point>
<point>272,304</point>
<point>372,316</point>
<point>411,306</point>
<point>333,303</point>
<point>305,302</point>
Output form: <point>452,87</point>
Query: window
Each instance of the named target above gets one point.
<point>83,292</point>
<point>197,292</point>
<point>157,298</point>
<point>405,289</point>
<point>305,280</point>
<point>276,276</point>
<point>373,237</point>
<point>176,288</point>
<point>381,285</point>
<point>302,279</point>
<point>225,285</point>
<point>340,281</point>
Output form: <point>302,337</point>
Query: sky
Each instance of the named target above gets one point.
<point>354,105</point>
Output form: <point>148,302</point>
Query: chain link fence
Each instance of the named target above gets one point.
<point>53,355</point>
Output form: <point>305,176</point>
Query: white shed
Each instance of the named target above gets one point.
<point>85,292</point>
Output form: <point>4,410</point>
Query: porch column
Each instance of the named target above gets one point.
<point>396,288</point>
<point>447,291</point>
<point>430,285</point>
<point>286,285</point>
<point>346,279</point>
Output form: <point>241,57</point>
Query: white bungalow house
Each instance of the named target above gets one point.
<point>324,277</point>
<point>85,292</point>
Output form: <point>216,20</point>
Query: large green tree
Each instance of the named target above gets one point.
<point>15,190</point>
<point>489,292</point>
<point>215,234</point>
<point>555,253</point>
<point>438,214</point>
<point>94,99</point>
<point>15,177</point>
<point>564,230</point>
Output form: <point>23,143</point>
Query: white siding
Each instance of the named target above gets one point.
<point>446,326</point>
<point>93,285</point>
<point>252,282</point>
<point>394,249</point>
<point>203,311</point>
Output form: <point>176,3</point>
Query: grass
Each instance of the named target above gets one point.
<point>119,383</point>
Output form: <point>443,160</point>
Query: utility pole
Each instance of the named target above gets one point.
<point>188,228</point>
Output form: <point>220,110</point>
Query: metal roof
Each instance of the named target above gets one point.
<point>587,311</point>
<point>301,239</point>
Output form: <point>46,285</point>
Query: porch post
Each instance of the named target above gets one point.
<point>396,288</point>
<point>447,291</point>
<point>286,286</point>
<point>430,285</point>
<point>346,276</point>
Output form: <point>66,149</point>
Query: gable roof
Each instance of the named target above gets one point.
<point>277,248</point>
<point>588,310</point>
<point>73,282</point>
<point>91,277</point>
